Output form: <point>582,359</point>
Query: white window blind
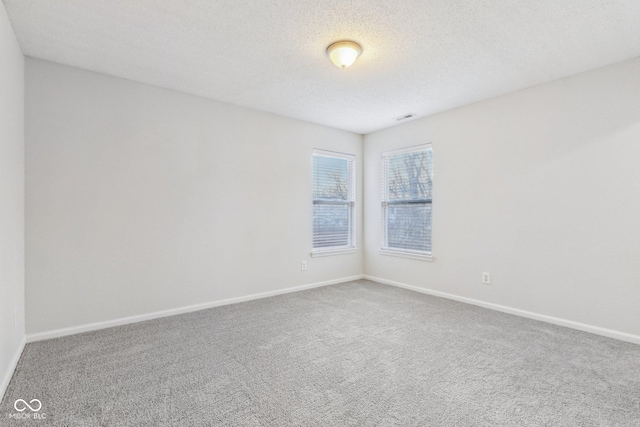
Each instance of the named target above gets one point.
<point>407,186</point>
<point>333,200</point>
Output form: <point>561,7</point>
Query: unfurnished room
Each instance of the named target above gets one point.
<point>320,213</point>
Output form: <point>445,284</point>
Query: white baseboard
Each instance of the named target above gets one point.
<point>56,333</point>
<point>623,336</point>
<point>12,367</point>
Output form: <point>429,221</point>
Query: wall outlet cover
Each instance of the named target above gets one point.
<point>486,278</point>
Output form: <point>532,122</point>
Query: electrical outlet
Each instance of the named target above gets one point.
<point>486,278</point>
<point>303,265</point>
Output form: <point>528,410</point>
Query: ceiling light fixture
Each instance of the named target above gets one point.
<point>343,53</point>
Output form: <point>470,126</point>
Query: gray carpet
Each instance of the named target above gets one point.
<point>354,354</point>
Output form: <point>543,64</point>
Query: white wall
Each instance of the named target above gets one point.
<point>141,199</point>
<point>11,200</point>
<point>541,188</point>
<point>131,207</point>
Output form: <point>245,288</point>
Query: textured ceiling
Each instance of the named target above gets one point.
<point>419,56</point>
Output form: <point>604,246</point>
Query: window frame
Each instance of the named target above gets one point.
<point>351,203</point>
<point>384,204</point>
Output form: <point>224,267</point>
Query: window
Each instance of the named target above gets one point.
<point>333,203</point>
<point>407,184</point>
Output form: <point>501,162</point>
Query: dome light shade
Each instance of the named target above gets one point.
<point>343,53</point>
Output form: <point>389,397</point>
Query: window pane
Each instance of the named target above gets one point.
<point>409,176</point>
<point>331,225</point>
<point>409,227</point>
<point>333,197</point>
<point>406,199</point>
<point>330,178</point>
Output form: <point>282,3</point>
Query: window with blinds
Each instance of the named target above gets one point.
<point>407,185</point>
<point>333,201</point>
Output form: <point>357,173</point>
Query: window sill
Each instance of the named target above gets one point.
<point>404,254</point>
<point>330,252</point>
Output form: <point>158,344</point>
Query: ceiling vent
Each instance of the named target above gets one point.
<point>405,117</point>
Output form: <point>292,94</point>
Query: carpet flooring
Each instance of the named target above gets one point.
<point>353,354</point>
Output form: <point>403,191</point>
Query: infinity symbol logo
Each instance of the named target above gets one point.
<point>26,405</point>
